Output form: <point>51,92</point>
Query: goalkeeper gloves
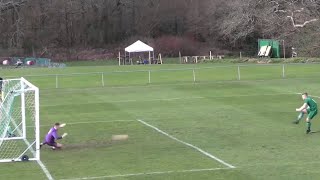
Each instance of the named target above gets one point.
<point>64,135</point>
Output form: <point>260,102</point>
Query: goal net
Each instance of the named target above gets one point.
<point>19,121</point>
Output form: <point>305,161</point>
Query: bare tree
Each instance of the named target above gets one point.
<point>7,5</point>
<point>11,9</point>
<point>299,12</point>
<point>67,24</point>
<point>240,21</point>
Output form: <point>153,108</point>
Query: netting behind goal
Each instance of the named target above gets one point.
<point>19,121</point>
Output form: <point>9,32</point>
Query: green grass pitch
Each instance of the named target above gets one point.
<point>245,123</point>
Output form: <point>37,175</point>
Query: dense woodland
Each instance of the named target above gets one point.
<point>29,27</point>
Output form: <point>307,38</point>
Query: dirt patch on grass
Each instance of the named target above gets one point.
<point>93,144</point>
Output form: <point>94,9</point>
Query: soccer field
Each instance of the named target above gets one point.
<point>189,122</point>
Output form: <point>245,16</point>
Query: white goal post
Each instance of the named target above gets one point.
<point>19,121</point>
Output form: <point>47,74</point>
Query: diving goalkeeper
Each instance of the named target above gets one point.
<point>309,107</point>
<point>52,136</point>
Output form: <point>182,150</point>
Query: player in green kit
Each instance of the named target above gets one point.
<point>309,107</point>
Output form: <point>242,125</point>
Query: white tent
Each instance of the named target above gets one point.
<point>139,46</point>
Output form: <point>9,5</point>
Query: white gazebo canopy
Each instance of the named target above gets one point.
<point>138,46</point>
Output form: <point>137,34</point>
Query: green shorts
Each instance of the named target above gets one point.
<point>312,114</point>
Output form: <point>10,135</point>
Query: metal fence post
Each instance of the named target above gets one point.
<point>102,79</point>
<point>57,86</point>
<point>239,77</point>
<point>283,71</point>
<point>194,75</point>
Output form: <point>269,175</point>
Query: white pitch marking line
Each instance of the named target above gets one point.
<point>90,122</point>
<point>175,99</point>
<point>45,170</point>
<point>159,99</point>
<point>134,100</point>
<point>200,97</point>
<point>187,144</point>
<point>147,173</point>
<point>310,95</point>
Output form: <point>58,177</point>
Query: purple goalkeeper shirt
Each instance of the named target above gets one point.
<point>52,135</point>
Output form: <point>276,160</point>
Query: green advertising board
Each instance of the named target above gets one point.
<point>275,46</point>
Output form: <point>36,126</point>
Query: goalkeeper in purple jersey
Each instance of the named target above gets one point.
<point>52,136</point>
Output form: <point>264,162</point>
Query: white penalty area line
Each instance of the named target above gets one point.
<point>309,95</point>
<point>147,173</point>
<point>86,122</point>
<point>175,99</point>
<point>187,144</point>
<point>157,99</point>
<point>134,100</point>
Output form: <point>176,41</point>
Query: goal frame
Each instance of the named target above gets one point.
<point>34,146</point>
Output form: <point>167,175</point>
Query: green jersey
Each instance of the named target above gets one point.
<point>311,103</point>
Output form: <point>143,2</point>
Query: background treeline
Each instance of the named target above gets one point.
<point>53,27</point>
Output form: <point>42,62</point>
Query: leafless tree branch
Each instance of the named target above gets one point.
<point>301,25</point>
<point>10,5</point>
